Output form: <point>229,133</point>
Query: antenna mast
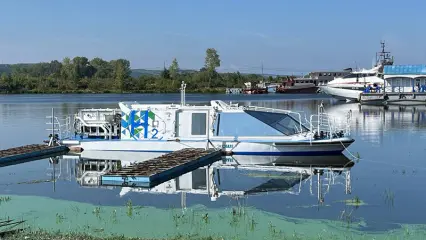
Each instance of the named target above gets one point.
<point>383,57</point>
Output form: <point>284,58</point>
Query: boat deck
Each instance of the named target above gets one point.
<point>158,170</point>
<point>29,151</point>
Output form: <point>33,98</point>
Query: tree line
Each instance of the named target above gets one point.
<point>81,75</point>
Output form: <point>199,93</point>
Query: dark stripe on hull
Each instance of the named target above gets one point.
<point>351,88</point>
<point>301,153</point>
<point>299,90</point>
<point>315,143</point>
<point>288,153</point>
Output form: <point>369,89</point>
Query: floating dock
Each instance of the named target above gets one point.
<point>158,170</point>
<point>29,151</point>
<point>393,98</point>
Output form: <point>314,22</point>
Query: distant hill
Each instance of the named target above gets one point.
<point>140,72</point>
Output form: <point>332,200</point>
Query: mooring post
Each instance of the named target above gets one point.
<point>52,137</point>
<point>53,124</point>
<point>208,130</point>
<point>319,186</point>
<point>208,179</point>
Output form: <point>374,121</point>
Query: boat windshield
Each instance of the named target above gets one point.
<point>282,122</point>
<point>256,123</point>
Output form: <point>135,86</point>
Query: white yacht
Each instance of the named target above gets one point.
<point>350,86</point>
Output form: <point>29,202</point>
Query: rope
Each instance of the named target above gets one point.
<point>357,158</point>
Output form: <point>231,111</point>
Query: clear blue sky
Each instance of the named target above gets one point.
<point>286,35</point>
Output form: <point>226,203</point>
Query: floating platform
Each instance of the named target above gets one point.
<point>29,151</point>
<point>393,98</point>
<point>161,169</point>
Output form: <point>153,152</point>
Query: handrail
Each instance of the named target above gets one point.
<point>94,125</point>
<point>329,124</point>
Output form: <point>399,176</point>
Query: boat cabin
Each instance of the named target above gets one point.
<point>323,77</point>
<point>169,121</point>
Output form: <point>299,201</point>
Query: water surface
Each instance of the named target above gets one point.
<point>387,181</point>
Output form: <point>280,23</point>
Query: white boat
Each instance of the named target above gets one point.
<point>350,87</point>
<point>163,128</point>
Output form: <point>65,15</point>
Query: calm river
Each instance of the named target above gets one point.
<point>383,197</point>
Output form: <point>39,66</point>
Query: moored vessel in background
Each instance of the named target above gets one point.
<point>350,86</point>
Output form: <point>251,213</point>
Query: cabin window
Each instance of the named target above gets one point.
<point>281,122</point>
<point>352,75</point>
<point>199,124</point>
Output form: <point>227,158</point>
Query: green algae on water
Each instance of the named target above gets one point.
<point>356,202</point>
<point>53,215</point>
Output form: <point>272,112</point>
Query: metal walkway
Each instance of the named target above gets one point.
<point>161,169</point>
<point>29,151</point>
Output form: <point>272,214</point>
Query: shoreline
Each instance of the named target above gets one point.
<point>213,91</point>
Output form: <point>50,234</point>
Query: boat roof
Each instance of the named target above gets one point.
<point>372,70</point>
<point>218,105</point>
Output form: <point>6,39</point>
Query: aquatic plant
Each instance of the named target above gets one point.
<point>44,235</point>
<point>129,207</point>
<point>5,199</point>
<point>252,223</point>
<point>206,218</point>
<point>356,202</point>
<point>97,212</point>
<point>389,197</point>
<point>114,216</point>
<point>59,218</point>
<point>75,208</point>
<point>347,217</point>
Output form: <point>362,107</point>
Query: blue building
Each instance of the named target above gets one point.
<point>405,78</point>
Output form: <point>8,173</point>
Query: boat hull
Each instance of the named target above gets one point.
<point>341,93</point>
<point>254,152</point>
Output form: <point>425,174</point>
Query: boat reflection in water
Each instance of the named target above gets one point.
<point>371,123</point>
<point>325,171</point>
<point>367,117</point>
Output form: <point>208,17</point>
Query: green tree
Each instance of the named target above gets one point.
<point>121,71</point>
<point>103,69</point>
<point>165,74</point>
<point>68,71</point>
<point>212,60</point>
<point>174,69</point>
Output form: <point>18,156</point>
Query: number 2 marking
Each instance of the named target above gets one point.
<point>155,131</point>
